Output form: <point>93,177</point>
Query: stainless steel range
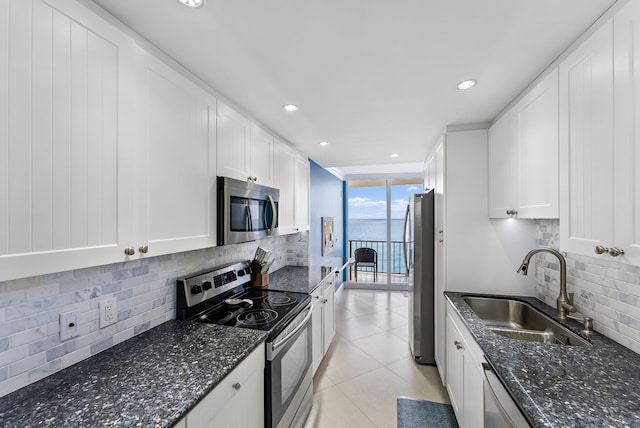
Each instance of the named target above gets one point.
<point>224,296</point>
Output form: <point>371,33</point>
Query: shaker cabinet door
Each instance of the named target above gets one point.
<point>66,118</point>
<point>627,129</point>
<point>283,179</point>
<point>503,158</point>
<point>176,168</point>
<point>261,156</point>
<point>233,143</point>
<point>587,144</point>
<point>301,194</point>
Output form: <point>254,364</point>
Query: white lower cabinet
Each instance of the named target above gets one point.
<point>237,401</point>
<point>465,379</point>
<point>323,320</point>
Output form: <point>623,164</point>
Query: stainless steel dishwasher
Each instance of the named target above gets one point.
<point>499,409</point>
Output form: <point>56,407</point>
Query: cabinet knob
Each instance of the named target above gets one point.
<point>512,212</point>
<point>458,344</point>
<point>599,249</point>
<point>615,252</point>
<point>129,251</point>
<point>441,240</point>
<point>237,386</point>
<point>144,249</point>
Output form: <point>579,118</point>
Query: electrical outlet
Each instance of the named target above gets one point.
<point>69,325</point>
<point>108,312</point>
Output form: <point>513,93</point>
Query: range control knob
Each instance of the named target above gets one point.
<point>206,285</point>
<point>195,289</point>
<point>241,272</point>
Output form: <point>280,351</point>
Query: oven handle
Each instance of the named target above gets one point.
<point>274,216</point>
<point>292,333</point>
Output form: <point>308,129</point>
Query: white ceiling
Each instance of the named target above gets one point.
<point>371,77</point>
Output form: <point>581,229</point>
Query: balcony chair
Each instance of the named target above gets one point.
<point>366,258</point>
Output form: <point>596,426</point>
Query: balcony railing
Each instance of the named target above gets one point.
<point>397,267</point>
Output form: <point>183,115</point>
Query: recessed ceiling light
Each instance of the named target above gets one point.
<point>324,143</point>
<point>192,3</point>
<point>395,155</point>
<point>290,107</point>
<point>467,84</point>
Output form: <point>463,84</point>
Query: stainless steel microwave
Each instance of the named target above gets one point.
<point>246,211</point>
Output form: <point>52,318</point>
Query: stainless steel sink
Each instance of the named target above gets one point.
<point>519,320</point>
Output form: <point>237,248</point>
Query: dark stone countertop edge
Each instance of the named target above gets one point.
<point>299,279</point>
<point>559,385</point>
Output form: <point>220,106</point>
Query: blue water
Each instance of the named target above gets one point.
<point>376,230</point>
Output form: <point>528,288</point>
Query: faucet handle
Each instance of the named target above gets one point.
<point>571,295</point>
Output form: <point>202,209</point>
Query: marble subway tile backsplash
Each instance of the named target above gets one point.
<point>30,308</point>
<point>607,291</point>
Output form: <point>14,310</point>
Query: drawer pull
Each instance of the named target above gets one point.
<point>129,251</point>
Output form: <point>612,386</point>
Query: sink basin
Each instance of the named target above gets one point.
<point>519,320</point>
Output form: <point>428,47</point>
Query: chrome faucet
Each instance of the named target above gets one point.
<point>564,302</point>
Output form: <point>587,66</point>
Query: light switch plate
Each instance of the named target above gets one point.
<point>108,312</point>
<point>69,325</point>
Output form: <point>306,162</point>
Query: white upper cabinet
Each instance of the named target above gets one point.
<point>261,156</point>
<point>291,176</point>
<point>627,131</point>
<point>503,157</point>
<point>587,144</point>
<point>176,168</point>
<point>234,143</point>
<point>283,179</point>
<point>66,123</point>
<point>302,169</point>
<point>245,150</point>
<point>523,156</point>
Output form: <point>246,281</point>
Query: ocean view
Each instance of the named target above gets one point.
<point>376,230</point>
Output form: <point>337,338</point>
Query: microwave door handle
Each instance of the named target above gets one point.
<point>274,216</point>
<point>248,216</point>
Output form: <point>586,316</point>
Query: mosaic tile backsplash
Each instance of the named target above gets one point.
<point>607,291</point>
<point>30,308</point>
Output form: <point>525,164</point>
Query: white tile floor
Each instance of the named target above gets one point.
<point>369,364</point>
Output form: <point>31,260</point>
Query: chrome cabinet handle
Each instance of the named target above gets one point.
<point>129,251</point>
<point>237,386</point>
<point>615,252</point>
<point>144,249</point>
<point>458,344</point>
<point>599,249</point>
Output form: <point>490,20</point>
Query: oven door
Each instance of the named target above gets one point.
<point>288,376</point>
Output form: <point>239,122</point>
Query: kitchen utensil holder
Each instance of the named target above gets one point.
<point>258,279</point>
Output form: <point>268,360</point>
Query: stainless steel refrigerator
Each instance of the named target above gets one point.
<point>419,261</point>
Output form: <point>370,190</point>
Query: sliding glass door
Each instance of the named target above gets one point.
<point>375,227</point>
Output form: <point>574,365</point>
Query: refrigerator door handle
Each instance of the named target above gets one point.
<point>404,240</point>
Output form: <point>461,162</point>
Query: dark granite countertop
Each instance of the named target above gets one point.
<point>301,279</point>
<point>150,380</point>
<point>558,385</point>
